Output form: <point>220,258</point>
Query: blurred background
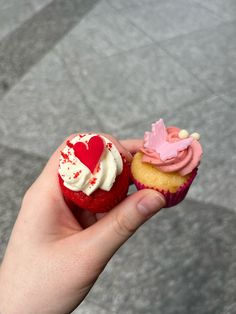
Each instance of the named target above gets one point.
<point>117,66</point>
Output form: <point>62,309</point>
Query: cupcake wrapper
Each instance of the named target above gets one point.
<point>172,199</point>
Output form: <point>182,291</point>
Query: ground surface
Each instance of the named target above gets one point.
<point>117,66</point>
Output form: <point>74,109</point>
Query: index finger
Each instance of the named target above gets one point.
<point>132,145</point>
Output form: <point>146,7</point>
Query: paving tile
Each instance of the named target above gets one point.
<point>15,12</point>
<point>128,87</point>
<point>44,108</point>
<point>38,5</point>
<point>27,44</point>
<point>17,172</point>
<point>12,14</point>
<point>214,120</point>
<point>182,261</point>
<point>101,7</point>
<point>89,308</point>
<point>222,8</point>
<point>168,19</point>
<point>229,97</point>
<point>210,55</point>
<point>100,34</point>
<point>215,182</point>
<point>121,4</point>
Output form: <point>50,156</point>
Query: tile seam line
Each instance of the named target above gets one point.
<point>159,44</point>
<point>76,85</point>
<point>37,12</point>
<point>133,6</point>
<point>224,23</point>
<point>133,24</point>
<point>205,84</point>
<point>223,92</point>
<point>198,4</point>
<point>103,59</point>
<point>212,12</point>
<point>83,63</point>
<point>197,31</point>
<point>188,104</point>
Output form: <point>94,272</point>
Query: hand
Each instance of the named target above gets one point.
<point>53,259</point>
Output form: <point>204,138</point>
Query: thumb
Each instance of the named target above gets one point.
<point>109,233</point>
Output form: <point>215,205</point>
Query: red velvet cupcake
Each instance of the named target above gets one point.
<point>93,175</point>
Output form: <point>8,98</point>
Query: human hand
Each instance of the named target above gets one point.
<point>53,258</point>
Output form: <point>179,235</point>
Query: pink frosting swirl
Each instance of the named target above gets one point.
<point>185,161</point>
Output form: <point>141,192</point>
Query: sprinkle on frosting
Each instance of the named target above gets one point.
<point>196,136</point>
<point>78,177</point>
<point>164,148</point>
<point>183,134</point>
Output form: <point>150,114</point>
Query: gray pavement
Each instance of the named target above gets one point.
<point>117,66</point>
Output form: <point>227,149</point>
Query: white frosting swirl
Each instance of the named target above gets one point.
<point>78,177</point>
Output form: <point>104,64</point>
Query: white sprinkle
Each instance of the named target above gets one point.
<point>183,134</point>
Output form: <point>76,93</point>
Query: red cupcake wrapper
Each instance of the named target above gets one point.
<point>172,199</point>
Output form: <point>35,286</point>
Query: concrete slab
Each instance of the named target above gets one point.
<point>210,55</point>
<point>182,261</point>
<point>43,109</point>
<point>129,87</point>
<point>222,8</point>
<point>100,34</point>
<point>169,19</point>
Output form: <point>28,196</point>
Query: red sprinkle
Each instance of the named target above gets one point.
<point>109,146</point>
<point>98,168</point>
<point>77,174</point>
<point>65,156</point>
<point>69,144</point>
<point>93,181</point>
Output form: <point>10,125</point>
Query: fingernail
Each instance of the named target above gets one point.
<point>150,204</point>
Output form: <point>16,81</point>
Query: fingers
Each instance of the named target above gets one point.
<point>48,179</point>
<point>49,174</point>
<point>126,147</point>
<point>132,145</point>
<point>47,183</point>
<point>109,233</point>
<point>123,150</point>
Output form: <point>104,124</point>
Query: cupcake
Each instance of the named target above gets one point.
<point>167,162</point>
<point>93,175</point>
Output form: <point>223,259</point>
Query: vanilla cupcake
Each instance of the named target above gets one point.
<point>167,162</point>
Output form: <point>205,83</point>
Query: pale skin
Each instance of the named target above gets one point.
<point>53,258</point>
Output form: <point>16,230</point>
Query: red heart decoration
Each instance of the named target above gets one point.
<point>91,153</point>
